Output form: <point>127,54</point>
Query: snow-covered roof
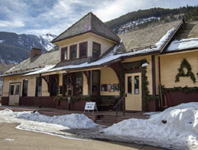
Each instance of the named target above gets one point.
<point>183,44</point>
<point>111,57</point>
<point>186,39</point>
<point>147,37</point>
<point>37,63</point>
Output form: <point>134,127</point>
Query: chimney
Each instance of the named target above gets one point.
<point>35,52</point>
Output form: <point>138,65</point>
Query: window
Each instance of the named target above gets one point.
<point>96,50</point>
<point>25,87</point>
<point>11,89</point>
<point>17,90</point>
<point>79,84</point>
<point>63,53</point>
<point>136,84</point>
<point>38,86</point>
<point>95,82</point>
<point>83,49</point>
<point>129,83</point>
<point>73,52</point>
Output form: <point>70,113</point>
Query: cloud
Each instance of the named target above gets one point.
<point>54,16</point>
<point>13,24</point>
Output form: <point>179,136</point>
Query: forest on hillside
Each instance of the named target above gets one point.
<point>188,13</point>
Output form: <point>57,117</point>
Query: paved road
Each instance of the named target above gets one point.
<point>14,139</point>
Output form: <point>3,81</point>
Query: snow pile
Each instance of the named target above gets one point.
<point>174,128</point>
<point>71,121</point>
<point>183,44</point>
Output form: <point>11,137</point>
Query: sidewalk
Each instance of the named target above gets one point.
<point>102,117</point>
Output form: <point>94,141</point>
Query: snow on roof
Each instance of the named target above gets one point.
<point>41,70</point>
<point>110,57</point>
<point>183,44</point>
<point>174,128</point>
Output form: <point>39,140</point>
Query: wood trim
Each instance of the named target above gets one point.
<point>134,71</point>
<point>153,75</point>
<point>98,92</point>
<point>116,67</point>
<point>19,88</point>
<point>86,33</point>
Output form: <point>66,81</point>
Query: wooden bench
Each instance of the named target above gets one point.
<point>106,104</point>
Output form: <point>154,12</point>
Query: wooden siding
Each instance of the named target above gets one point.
<point>170,64</point>
<point>88,37</point>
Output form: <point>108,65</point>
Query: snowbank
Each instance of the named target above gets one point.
<point>56,125</point>
<point>71,121</point>
<point>174,128</point>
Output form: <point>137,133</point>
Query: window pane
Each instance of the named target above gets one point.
<point>17,90</point>
<point>96,50</point>
<point>25,87</point>
<point>73,52</point>
<point>95,82</point>
<point>38,86</point>
<point>11,89</point>
<point>136,84</point>
<point>129,85</point>
<point>79,83</point>
<point>64,53</point>
<point>83,49</point>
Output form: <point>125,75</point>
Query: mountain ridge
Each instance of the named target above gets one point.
<point>14,48</point>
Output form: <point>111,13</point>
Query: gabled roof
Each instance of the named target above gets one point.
<point>41,61</point>
<point>186,39</point>
<point>89,23</point>
<point>146,37</point>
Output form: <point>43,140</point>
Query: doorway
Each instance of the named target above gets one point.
<point>14,94</point>
<point>133,90</point>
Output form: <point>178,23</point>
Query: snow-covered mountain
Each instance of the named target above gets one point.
<point>15,48</point>
<point>46,39</point>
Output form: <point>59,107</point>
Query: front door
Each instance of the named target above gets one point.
<point>14,94</point>
<point>133,90</point>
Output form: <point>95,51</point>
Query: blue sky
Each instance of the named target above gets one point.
<point>54,16</point>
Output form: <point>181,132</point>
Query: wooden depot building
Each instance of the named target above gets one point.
<point>152,68</point>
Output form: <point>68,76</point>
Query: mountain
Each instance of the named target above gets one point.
<point>15,48</point>
<point>131,21</point>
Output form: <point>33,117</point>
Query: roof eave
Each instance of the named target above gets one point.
<point>90,31</point>
<point>165,45</point>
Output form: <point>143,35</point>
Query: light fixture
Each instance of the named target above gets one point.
<point>145,64</point>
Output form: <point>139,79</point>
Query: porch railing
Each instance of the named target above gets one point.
<point>120,103</point>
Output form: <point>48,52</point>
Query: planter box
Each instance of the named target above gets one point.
<point>4,100</point>
<point>80,105</point>
<point>62,105</point>
<point>178,97</point>
<point>152,106</point>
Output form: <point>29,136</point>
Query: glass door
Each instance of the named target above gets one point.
<point>133,91</point>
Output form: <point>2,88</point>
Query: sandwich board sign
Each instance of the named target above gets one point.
<point>90,106</point>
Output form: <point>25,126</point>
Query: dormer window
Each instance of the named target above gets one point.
<point>83,49</point>
<point>73,52</point>
<point>96,50</point>
<point>63,53</point>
